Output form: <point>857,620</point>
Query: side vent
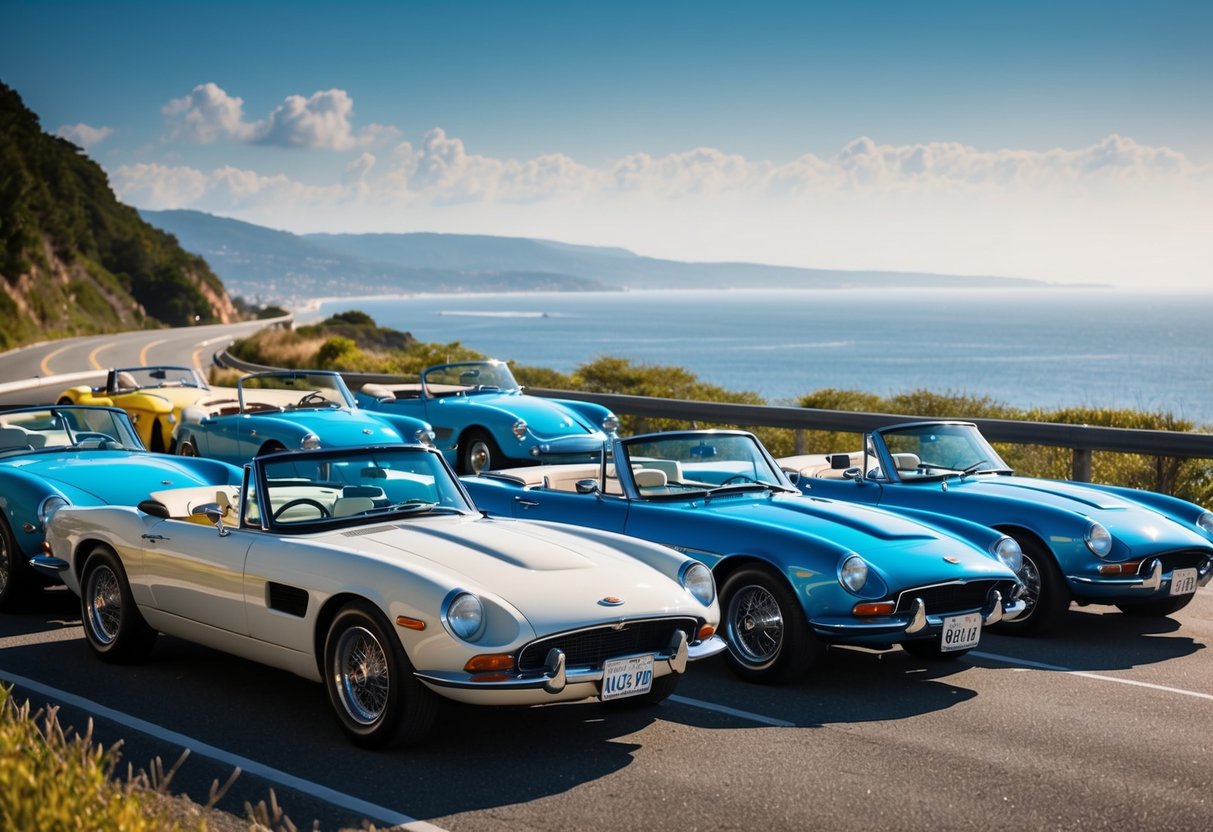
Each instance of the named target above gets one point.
<point>287,599</point>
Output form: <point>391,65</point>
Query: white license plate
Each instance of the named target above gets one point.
<point>1183,581</point>
<point>627,677</point>
<point>960,632</point>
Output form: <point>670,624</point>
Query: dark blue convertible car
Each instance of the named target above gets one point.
<point>796,573</point>
<point>1144,552</point>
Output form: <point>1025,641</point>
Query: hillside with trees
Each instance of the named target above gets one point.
<point>73,259</point>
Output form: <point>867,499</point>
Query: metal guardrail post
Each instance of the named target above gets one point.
<point>1081,471</point>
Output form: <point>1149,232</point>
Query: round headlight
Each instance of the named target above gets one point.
<point>854,573</point>
<point>1099,540</point>
<point>1007,550</point>
<point>519,430</point>
<point>611,423</point>
<point>1205,521</point>
<point>49,506</point>
<point>465,616</point>
<point>424,437</point>
<point>697,580</point>
<point>310,442</point>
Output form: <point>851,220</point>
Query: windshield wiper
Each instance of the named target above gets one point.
<point>740,487</point>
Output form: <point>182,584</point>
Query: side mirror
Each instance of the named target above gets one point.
<point>793,475</point>
<point>155,508</point>
<point>853,474</point>
<point>587,486</point>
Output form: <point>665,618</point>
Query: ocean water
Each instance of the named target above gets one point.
<point>1023,347</point>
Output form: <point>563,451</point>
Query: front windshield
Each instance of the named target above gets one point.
<point>293,391</point>
<point>59,428</point>
<point>470,377</point>
<point>366,485</point>
<point>679,463</point>
<point>142,378</point>
<point>940,449</point>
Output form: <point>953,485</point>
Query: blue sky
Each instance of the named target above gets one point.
<point>1061,140</point>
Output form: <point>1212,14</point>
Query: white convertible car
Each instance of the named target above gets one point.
<point>370,570</point>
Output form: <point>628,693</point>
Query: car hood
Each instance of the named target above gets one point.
<point>1143,529</point>
<point>544,418</point>
<point>552,576</point>
<point>904,551</point>
<point>339,428</point>
<point>116,478</point>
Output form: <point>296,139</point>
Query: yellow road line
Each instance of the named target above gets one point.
<point>143,352</point>
<point>92,356</point>
<point>46,362</point>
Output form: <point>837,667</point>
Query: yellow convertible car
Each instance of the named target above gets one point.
<point>152,396</point>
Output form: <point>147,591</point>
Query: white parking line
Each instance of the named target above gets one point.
<point>370,811</point>
<point>1089,675</point>
<point>725,709</point>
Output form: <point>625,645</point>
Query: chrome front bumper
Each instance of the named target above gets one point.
<point>1154,578</point>
<point>556,675</point>
<point>919,621</point>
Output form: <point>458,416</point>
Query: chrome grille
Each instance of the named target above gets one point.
<point>1183,559</point>
<point>955,596</point>
<point>592,646</point>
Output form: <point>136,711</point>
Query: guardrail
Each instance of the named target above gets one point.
<point>1081,439</point>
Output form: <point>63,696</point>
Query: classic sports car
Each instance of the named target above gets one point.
<point>1144,552</point>
<point>795,573</point>
<point>483,420</point>
<point>152,396</point>
<point>288,410</point>
<point>370,570</point>
<point>58,455</point>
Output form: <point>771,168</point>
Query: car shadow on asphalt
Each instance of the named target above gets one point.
<point>1098,638</point>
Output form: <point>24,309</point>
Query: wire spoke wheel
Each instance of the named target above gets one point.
<point>363,676</point>
<point>103,597</point>
<point>755,624</point>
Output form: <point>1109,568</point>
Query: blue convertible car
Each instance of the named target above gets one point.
<point>289,410</point>
<point>1144,552</point>
<point>90,456</point>
<point>483,420</point>
<point>795,572</point>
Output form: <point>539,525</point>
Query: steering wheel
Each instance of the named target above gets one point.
<point>301,501</point>
<point>315,397</point>
<point>739,478</point>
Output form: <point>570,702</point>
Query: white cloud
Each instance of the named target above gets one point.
<point>207,114</point>
<point>321,121</point>
<point>84,135</point>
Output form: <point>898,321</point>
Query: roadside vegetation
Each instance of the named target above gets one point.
<point>352,342</point>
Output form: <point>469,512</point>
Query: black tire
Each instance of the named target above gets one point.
<point>1047,595</point>
<point>929,649</point>
<point>765,628</point>
<point>271,447</point>
<point>112,623</point>
<point>157,439</point>
<point>478,452</point>
<point>16,576</point>
<point>658,693</point>
<point>370,682</point>
<point>1157,609</point>
<point>64,400</point>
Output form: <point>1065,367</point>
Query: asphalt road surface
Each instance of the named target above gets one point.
<point>1102,726</point>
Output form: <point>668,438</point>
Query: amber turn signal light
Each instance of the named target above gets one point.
<point>874,608</point>
<point>410,623</point>
<point>489,662</point>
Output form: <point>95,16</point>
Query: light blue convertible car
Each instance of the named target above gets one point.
<point>1144,552</point>
<point>289,410</point>
<point>86,456</point>
<point>796,573</point>
<point>483,420</point>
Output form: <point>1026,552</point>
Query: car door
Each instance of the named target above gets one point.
<point>195,573</point>
<point>597,511</point>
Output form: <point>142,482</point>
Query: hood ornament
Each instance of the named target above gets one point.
<point>611,601</point>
